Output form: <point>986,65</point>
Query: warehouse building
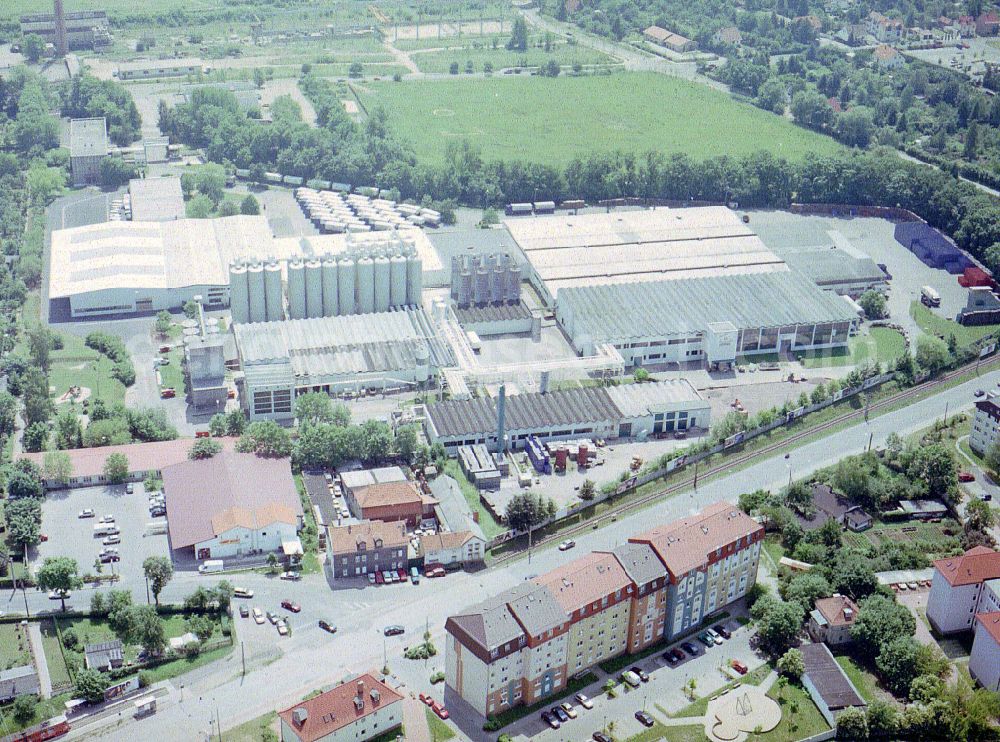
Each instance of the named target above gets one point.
<point>156,199</point>
<point>118,268</point>
<point>838,271</point>
<point>671,321</point>
<point>85,29</point>
<point>152,69</point>
<point>88,146</point>
<point>630,411</point>
<point>340,354</point>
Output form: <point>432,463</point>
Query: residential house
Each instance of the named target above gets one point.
<point>984,659</point>
<point>853,34</point>
<point>857,520</point>
<point>452,548</point>
<point>829,505</point>
<point>371,546</point>
<point>673,41</point>
<point>388,501</point>
<point>887,58</point>
<point>985,425</point>
<point>104,656</point>
<point>728,36</point>
<point>355,711</point>
<point>988,24</point>
<point>815,23</point>
<point>885,30</point>
<point>958,588</point>
<point>832,619</point>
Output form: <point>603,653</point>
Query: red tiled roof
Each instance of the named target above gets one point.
<point>335,709</point>
<point>586,580</point>
<point>885,52</point>
<point>832,609</point>
<point>387,494</point>
<point>345,539</point>
<point>89,462</point>
<point>974,566</point>
<point>991,622</point>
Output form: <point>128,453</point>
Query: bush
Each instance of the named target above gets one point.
<point>437,677</point>
<point>423,651</point>
<point>23,709</point>
<point>69,637</point>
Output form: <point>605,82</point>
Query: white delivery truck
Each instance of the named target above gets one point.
<point>930,297</point>
<point>210,565</point>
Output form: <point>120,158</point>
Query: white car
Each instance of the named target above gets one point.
<point>114,539</point>
<point>60,594</point>
<point>258,615</point>
<point>242,592</point>
<point>107,519</point>
<point>294,576</point>
<point>86,513</point>
<point>584,701</point>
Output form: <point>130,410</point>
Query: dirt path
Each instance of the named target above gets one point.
<point>402,58</point>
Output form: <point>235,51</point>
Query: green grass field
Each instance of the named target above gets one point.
<point>440,732</point>
<point>932,324</point>
<point>77,365</point>
<point>58,672</point>
<point>14,649</point>
<point>881,344</point>
<point>799,716</point>
<point>553,120</point>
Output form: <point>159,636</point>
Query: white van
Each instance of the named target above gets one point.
<point>210,565</point>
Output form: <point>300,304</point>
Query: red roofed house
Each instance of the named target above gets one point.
<point>967,26</point>
<point>669,39</point>
<point>452,548</point>
<point>984,660</point>
<point>887,58</point>
<point>832,620</point>
<point>387,501</point>
<point>988,24</point>
<point>355,711</point>
<point>958,589</point>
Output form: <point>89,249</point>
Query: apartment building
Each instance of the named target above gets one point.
<point>369,546</point>
<point>523,644</point>
<point>711,559</point>
<point>985,425</point>
<point>959,589</point>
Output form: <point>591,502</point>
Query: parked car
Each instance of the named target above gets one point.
<point>739,667</point>
<point>440,710</point>
<point>113,539</point>
<point>965,476</point>
<point>168,393</point>
<point>567,545</point>
<point>394,630</point>
<point>86,513</point>
<point>979,393</point>
<point>290,575</point>
<point>551,720</point>
<point>244,611</point>
<point>435,572</point>
<point>60,594</point>
<point>643,675</point>
<point>645,719</point>
<point>691,649</point>
<point>631,678</point>
<point>678,654</point>
<point>557,711</point>
<point>258,615</point>
<point>705,639</point>
<point>670,657</point>
<point>723,631</point>
<point>327,626</point>
<point>242,592</point>
<point>272,617</point>
<point>403,575</point>
<point>424,698</point>
<point>158,511</point>
<point>986,497</point>
<point>714,636</point>
<point>290,605</point>
<point>601,737</point>
<point>584,701</point>
<point>415,575</point>
<point>371,578</point>
<point>108,558</point>
<point>379,579</point>
<point>129,488</point>
<point>107,519</point>
<point>282,628</point>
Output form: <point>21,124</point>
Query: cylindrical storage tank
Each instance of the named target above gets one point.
<point>465,288</point>
<point>414,281</point>
<point>329,286</point>
<point>562,454</point>
<point>422,361</point>
<point>296,289</point>
<point>239,296</point>
<point>346,272</point>
<point>581,455</point>
<point>498,285</point>
<point>314,288</point>
<point>272,291</point>
<point>383,284</point>
<point>366,286</point>
<point>481,288</point>
<point>397,290</point>
<point>514,284</point>
<point>255,290</point>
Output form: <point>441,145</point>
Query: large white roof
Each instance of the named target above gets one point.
<point>647,245</point>
<point>154,255</point>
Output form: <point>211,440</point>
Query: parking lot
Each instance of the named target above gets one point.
<point>72,536</point>
<point>662,695</point>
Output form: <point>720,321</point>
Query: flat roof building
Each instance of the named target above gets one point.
<point>156,199</point>
<point>88,146</point>
<point>150,69</point>
<point>116,268</point>
<point>344,353</point>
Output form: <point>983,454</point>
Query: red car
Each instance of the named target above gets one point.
<point>379,580</point>
<point>168,393</point>
<point>403,575</point>
<point>426,699</point>
<point>440,710</point>
<point>964,476</point>
<point>164,348</point>
<point>290,606</point>
<point>739,667</point>
<point>436,572</point>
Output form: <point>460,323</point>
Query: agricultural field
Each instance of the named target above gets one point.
<point>553,120</point>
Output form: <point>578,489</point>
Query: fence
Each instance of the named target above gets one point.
<point>685,460</point>
<point>854,210</point>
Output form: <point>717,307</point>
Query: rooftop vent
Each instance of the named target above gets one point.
<point>704,529</point>
<point>848,613</point>
<point>359,703</point>
<point>300,715</point>
<point>376,696</point>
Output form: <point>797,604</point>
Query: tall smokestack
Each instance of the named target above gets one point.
<point>62,44</point>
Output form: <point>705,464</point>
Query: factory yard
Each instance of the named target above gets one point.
<point>633,112</point>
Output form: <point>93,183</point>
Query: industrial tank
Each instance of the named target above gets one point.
<point>366,286</point>
<point>329,286</point>
<point>272,291</point>
<point>414,280</point>
<point>421,362</point>
<point>465,287</point>
<point>383,284</point>
<point>314,288</point>
<point>239,296</point>
<point>498,284</point>
<point>255,290</point>
<point>346,272</point>
<point>296,289</point>
<point>397,293</point>
<point>513,284</point>
<point>481,288</point>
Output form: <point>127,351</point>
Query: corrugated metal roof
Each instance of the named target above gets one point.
<point>636,400</point>
<point>613,313</point>
<point>824,266</point>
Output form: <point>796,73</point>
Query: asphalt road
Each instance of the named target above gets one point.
<point>311,658</point>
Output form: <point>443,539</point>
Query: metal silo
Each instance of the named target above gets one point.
<point>239,293</point>
<point>296,289</point>
<point>366,286</point>
<point>397,294</point>
<point>498,284</point>
<point>346,274</point>
<point>383,284</point>
<point>481,288</point>
<point>272,291</point>
<point>513,283</point>
<point>314,288</point>
<point>414,280</point>
<point>255,291</point>
<point>422,362</point>
<point>329,286</point>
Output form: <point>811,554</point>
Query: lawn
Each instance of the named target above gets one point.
<point>863,681</point>
<point>932,324</point>
<point>43,710</point>
<point>881,344</point>
<point>657,732</point>
<point>486,520</point>
<point>77,365</point>
<point>172,375</point>
<point>799,716</point>
<point>58,672</point>
<point>250,731</point>
<point>14,649</point>
<point>440,732</point>
<point>553,120</point>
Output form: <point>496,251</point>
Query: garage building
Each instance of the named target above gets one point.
<point>117,268</point>
<point>630,411</point>
<point>233,504</point>
<point>345,353</point>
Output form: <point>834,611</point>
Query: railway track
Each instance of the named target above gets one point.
<point>759,453</point>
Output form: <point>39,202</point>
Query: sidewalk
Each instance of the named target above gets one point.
<point>41,665</point>
<point>415,720</point>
